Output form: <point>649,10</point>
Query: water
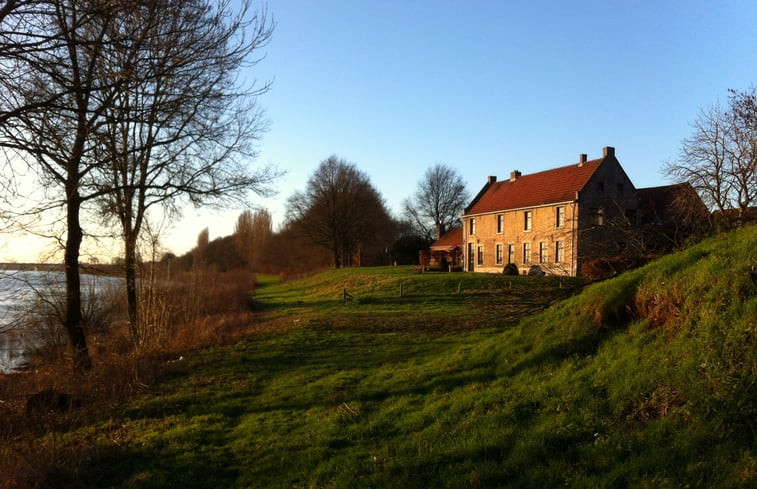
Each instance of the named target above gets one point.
<point>21,293</point>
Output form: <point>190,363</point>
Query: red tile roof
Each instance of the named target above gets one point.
<point>449,240</point>
<point>546,187</point>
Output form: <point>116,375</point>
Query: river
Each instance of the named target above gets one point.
<point>20,294</point>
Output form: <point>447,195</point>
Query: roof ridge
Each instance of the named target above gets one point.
<point>563,167</point>
<point>558,184</point>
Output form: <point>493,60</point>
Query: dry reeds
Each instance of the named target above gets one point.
<point>192,310</point>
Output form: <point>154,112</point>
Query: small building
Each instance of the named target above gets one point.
<point>447,250</point>
<point>554,220</point>
<point>670,214</point>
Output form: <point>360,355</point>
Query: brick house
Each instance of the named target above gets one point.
<point>552,221</point>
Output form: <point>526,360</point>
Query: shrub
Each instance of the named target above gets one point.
<point>604,268</point>
<point>102,304</point>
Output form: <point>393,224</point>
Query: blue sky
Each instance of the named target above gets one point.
<point>487,87</point>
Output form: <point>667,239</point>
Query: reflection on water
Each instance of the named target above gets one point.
<point>12,351</point>
<point>20,294</point>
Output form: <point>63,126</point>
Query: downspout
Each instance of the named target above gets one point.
<point>465,245</point>
<point>573,250</point>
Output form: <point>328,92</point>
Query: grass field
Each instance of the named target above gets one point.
<point>647,380</point>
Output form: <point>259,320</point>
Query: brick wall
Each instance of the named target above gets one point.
<point>543,238</point>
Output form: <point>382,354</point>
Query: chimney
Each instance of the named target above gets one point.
<point>514,175</point>
<point>440,230</point>
<point>608,151</point>
<point>491,179</point>
<point>582,159</point>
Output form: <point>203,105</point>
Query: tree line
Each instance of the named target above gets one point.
<point>340,220</point>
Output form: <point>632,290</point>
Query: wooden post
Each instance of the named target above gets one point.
<point>400,289</point>
<point>459,285</point>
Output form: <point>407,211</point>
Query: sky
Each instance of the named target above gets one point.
<point>486,87</point>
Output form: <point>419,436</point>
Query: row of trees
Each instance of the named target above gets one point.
<point>119,108</point>
<point>339,220</point>
<point>341,210</point>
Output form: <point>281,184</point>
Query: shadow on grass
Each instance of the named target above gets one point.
<point>582,346</point>
<point>275,380</point>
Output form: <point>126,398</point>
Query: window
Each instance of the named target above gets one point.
<point>542,252</point>
<point>559,216</point>
<point>480,255</point>
<point>511,253</point>
<point>601,188</point>
<point>499,254</point>
<point>620,190</point>
<point>527,221</point>
<point>500,223</point>
<point>527,252</point>
<point>559,252</point>
<point>597,216</point>
<point>472,226</point>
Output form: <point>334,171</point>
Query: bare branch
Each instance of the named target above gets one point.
<point>438,202</point>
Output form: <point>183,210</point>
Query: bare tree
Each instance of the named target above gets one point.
<point>718,160</point>
<point>201,251</point>
<point>340,210</point>
<point>52,99</point>
<point>438,201</point>
<point>251,234</point>
<point>744,171</point>
<point>180,127</point>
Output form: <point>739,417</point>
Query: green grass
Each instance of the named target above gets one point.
<point>646,380</point>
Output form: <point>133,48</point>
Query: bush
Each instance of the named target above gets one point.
<point>510,269</point>
<point>604,268</point>
<point>43,320</point>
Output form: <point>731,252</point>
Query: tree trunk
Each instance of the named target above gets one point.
<point>73,320</point>
<point>130,261</point>
<point>335,249</point>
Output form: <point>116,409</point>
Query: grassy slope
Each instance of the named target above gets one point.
<point>647,380</point>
